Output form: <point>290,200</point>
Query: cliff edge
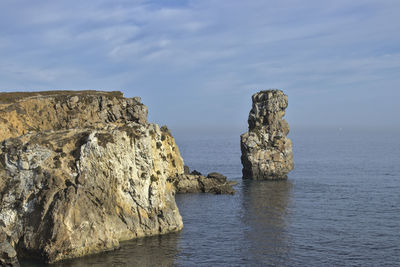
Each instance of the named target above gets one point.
<point>24,112</point>
<point>266,149</point>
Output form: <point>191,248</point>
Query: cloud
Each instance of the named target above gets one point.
<point>218,51</point>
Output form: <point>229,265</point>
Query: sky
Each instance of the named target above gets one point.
<point>195,64</point>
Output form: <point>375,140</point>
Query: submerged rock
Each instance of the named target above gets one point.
<point>80,172</point>
<point>266,150</point>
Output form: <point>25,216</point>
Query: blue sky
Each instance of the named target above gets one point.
<point>196,63</point>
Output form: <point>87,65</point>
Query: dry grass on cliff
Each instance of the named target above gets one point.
<point>11,97</point>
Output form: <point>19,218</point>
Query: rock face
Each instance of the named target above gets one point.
<point>8,255</point>
<point>21,113</point>
<point>81,171</point>
<point>266,150</point>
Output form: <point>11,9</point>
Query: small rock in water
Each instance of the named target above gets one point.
<point>217,176</point>
<point>195,182</point>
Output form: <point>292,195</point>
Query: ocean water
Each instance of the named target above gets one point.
<point>339,207</point>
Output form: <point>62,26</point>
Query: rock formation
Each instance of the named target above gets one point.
<point>8,255</point>
<point>266,150</point>
<point>21,113</point>
<point>195,182</point>
<point>81,171</point>
<point>74,192</point>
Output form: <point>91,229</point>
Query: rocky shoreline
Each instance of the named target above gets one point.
<point>81,171</point>
<point>195,182</point>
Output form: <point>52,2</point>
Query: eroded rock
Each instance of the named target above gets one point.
<point>75,192</point>
<point>8,255</point>
<point>266,149</point>
<point>80,172</point>
<point>214,183</point>
<point>25,112</point>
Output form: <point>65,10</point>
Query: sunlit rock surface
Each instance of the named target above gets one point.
<point>25,112</point>
<point>81,171</point>
<point>266,149</point>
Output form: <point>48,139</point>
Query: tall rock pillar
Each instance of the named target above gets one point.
<point>266,150</point>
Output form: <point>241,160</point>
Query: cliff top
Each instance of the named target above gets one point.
<point>12,97</point>
<point>272,90</point>
<point>23,112</point>
<point>265,95</point>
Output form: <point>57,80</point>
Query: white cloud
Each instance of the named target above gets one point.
<point>204,46</point>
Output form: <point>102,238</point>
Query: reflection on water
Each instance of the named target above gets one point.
<point>265,206</point>
<point>340,207</point>
<point>149,251</point>
<point>249,228</point>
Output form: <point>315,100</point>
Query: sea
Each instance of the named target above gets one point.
<point>340,206</point>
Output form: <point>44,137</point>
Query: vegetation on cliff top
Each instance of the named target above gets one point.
<point>11,97</point>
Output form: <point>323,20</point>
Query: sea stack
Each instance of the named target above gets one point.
<point>266,149</point>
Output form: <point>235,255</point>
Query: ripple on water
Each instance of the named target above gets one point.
<point>338,208</point>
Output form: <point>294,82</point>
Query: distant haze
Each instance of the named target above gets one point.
<point>196,63</point>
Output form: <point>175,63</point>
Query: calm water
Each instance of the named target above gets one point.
<point>340,207</point>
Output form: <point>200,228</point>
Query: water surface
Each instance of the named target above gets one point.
<point>339,207</point>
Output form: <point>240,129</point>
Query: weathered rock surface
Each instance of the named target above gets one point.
<point>195,182</point>
<point>81,171</point>
<point>8,255</point>
<point>21,113</point>
<point>266,150</point>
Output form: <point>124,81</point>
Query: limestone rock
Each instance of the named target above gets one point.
<point>195,172</point>
<point>81,171</point>
<point>74,192</point>
<point>21,113</point>
<point>217,176</point>
<point>266,149</point>
<point>8,255</point>
<point>186,169</point>
<point>214,183</point>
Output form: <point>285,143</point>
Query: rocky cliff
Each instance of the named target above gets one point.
<point>81,171</point>
<point>266,149</point>
<point>25,112</point>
